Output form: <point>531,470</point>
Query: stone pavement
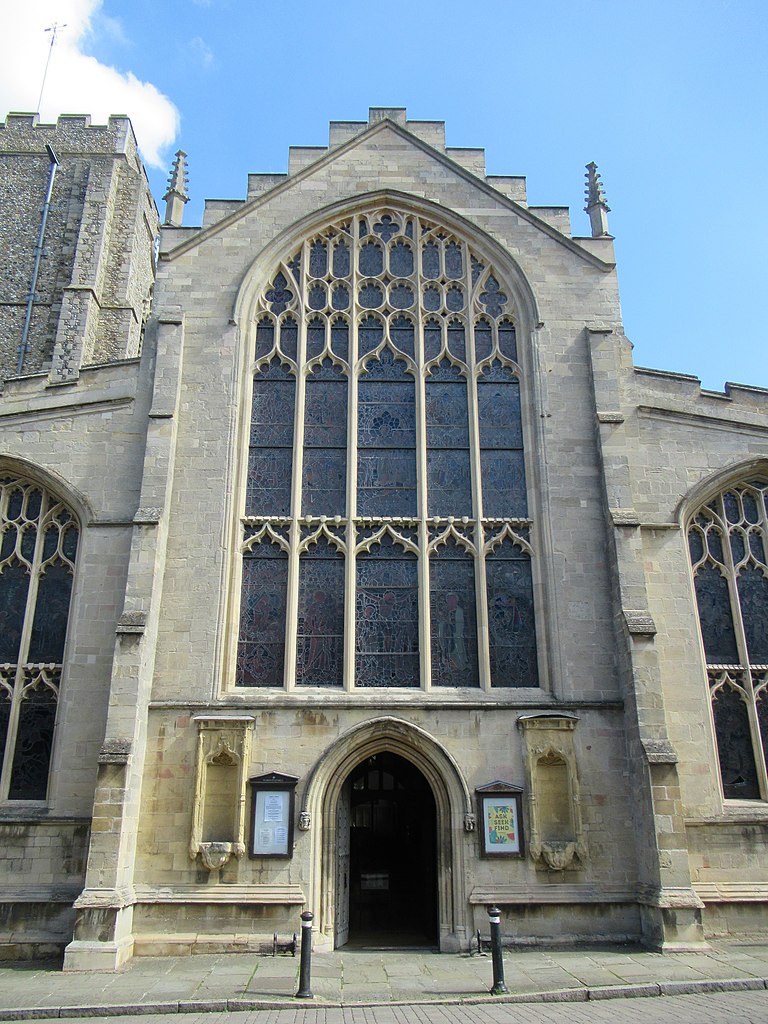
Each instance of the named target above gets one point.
<point>360,978</point>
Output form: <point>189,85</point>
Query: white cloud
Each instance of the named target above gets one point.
<point>201,51</point>
<point>76,82</point>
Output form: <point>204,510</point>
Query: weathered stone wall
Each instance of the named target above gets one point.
<point>99,238</point>
<point>86,445</point>
<point>148,452</point>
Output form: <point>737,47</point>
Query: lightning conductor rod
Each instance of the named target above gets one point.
<point>53,29</point>
<point>22,350</point>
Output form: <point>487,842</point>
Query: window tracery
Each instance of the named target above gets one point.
<point>38,547</point>
<point>727,544</point>
<point>387,416</point>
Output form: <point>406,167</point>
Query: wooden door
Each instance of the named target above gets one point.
<point>343,823</point>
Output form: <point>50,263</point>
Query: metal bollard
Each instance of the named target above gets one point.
<point>499,988</point>
<point>305,969</point>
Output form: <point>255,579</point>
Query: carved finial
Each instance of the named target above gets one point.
<point>597,208</point>
<point>176,195</point>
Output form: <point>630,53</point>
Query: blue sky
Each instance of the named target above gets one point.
<point>669,98</point>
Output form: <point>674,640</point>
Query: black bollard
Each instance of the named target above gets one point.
<point>499,988</point>
<point>305,969</point>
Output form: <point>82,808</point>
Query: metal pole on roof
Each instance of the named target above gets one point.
<point>53,29</point>
<point>22,349</point>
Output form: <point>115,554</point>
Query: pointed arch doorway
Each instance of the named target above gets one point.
<point>387,735</point>
<point>386,870</point>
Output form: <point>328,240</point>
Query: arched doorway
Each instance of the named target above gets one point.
<point>323,798</point>
<point>386,832</point>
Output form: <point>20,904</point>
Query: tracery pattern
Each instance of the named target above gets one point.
<point>38,547</point>
<point>727,545</point>
<point>386,408</point>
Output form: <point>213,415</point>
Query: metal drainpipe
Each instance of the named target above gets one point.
<point>22,349</point>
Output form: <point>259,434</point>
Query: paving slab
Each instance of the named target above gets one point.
<point>355,978</point>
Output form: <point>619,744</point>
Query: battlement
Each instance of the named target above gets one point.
<point>71,134</point>
<point>684,391</point>
<point>84,300</point>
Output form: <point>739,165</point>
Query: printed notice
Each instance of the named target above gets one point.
<point>273,807</point>
<point>271,826</point>
<point>501,827</point>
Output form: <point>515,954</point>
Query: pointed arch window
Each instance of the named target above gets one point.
<point>38,546</point>
<point>728,544</point>
<point>386,471</point>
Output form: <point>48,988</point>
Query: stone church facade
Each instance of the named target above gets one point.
<point>349,564</point>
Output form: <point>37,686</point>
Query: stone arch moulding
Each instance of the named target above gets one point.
<point>53,481</point>
<point>255,278</point>
<point>720,480</point>
<point>454,818</point>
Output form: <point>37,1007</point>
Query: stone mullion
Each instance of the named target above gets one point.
<point>294,535</point>
<point>754,721</point>
<point>26,633</point>
<point>425,624</point>
<point>741,644</point>
<point>350,580</point>
<point>741,640</point>
<point>481,601</point>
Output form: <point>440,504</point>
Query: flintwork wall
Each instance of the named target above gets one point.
<point>96,272</point>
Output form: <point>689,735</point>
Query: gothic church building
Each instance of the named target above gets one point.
<point>348,564</point>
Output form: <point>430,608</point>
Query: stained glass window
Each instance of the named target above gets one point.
<point>260,652</point>
<point>453,619</point>
<point>387,630</point>
<point>269,463</point>
<point>448,460</point>
<point>387,384</point>
<point>726,541</point>
<point>37,561</point>
<point>386,466</point>
<point>325,442</point>
<point>511,627</point>
<point>320,651</point>
<point>501,443</point>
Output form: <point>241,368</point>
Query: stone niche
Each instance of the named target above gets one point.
<point>218,816</point>
<point>554,809</point>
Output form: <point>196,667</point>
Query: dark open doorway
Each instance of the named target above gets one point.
<point>387,848</point>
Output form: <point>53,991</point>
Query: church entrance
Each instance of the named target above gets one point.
<point>386,882</point>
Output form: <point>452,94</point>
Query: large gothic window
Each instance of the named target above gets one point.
<point>38,544</point>
<point>728,540</point>
<point>386,535</point>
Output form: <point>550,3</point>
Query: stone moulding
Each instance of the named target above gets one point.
<point>147,516</point>
<point>131,622</point>
<point>554,893</point>
<point>624,517</point>
<point>731,892</point>
<point>251,894</point>
<point>639,623</point>
<point>554,805</point>
<point>115,751</point>
<point>659,752</point>
<point>673,898</point>
<point>218,812</point>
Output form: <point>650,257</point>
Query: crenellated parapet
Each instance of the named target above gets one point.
<point>77,287</point>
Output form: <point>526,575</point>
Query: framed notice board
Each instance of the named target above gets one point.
<point>272,806</point>
<point>501,820</point>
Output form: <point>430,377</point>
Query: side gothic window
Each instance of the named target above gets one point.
<point>386,535</point>
<point>728,543</point>
<point>38,545</point>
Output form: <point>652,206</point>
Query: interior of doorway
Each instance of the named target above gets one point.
<point>387,856</point>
